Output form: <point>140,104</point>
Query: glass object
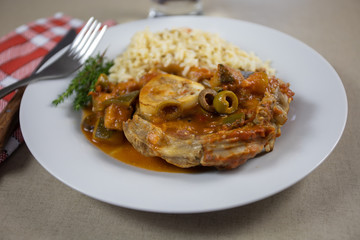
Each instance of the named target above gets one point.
<point>162,8</point>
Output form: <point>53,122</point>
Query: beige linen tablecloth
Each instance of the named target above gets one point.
<point>324,205</point>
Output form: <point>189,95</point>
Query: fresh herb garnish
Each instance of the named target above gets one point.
<point>85,80</point>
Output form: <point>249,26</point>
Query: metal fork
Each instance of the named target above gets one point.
<point>75,56</point>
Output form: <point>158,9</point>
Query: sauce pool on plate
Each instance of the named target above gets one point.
<point>123,151</point>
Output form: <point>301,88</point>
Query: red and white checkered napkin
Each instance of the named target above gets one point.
<point>22,50</point>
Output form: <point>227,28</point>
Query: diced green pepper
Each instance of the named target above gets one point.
<point>125,100</point>
<point>100,131</point>
<point>236,117</point>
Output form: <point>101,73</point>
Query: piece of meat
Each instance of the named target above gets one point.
<point>194,138</point>
<point>225,149</point>
<point>151,140</point>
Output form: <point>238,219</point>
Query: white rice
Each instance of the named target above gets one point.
<point>183,47</point>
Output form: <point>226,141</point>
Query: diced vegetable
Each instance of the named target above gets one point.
<point>256,83</point>
<point>115,115</point>
<point>125,100</point>
<point>103,82</point>
<point>89,122</point>
<point>100,131</point>
<point>235,118</point>
<point>246,74</point>
<point>106,99</point>
<point>226,77</point>
<point>225,74</point>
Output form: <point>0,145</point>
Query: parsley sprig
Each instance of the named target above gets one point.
<point>84,82</point>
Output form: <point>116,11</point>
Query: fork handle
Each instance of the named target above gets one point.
<point>6,90</point>
<point>9,117</point>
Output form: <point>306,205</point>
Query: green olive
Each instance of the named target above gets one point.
<point>226,102</point>
<point>169,109</point>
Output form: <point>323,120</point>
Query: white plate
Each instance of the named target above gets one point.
<point>316,121</point>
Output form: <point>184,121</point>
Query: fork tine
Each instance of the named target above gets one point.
<point>81,33</point>
<point>85,38</point>
<point>94,44</point>
<point>90,40</point>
